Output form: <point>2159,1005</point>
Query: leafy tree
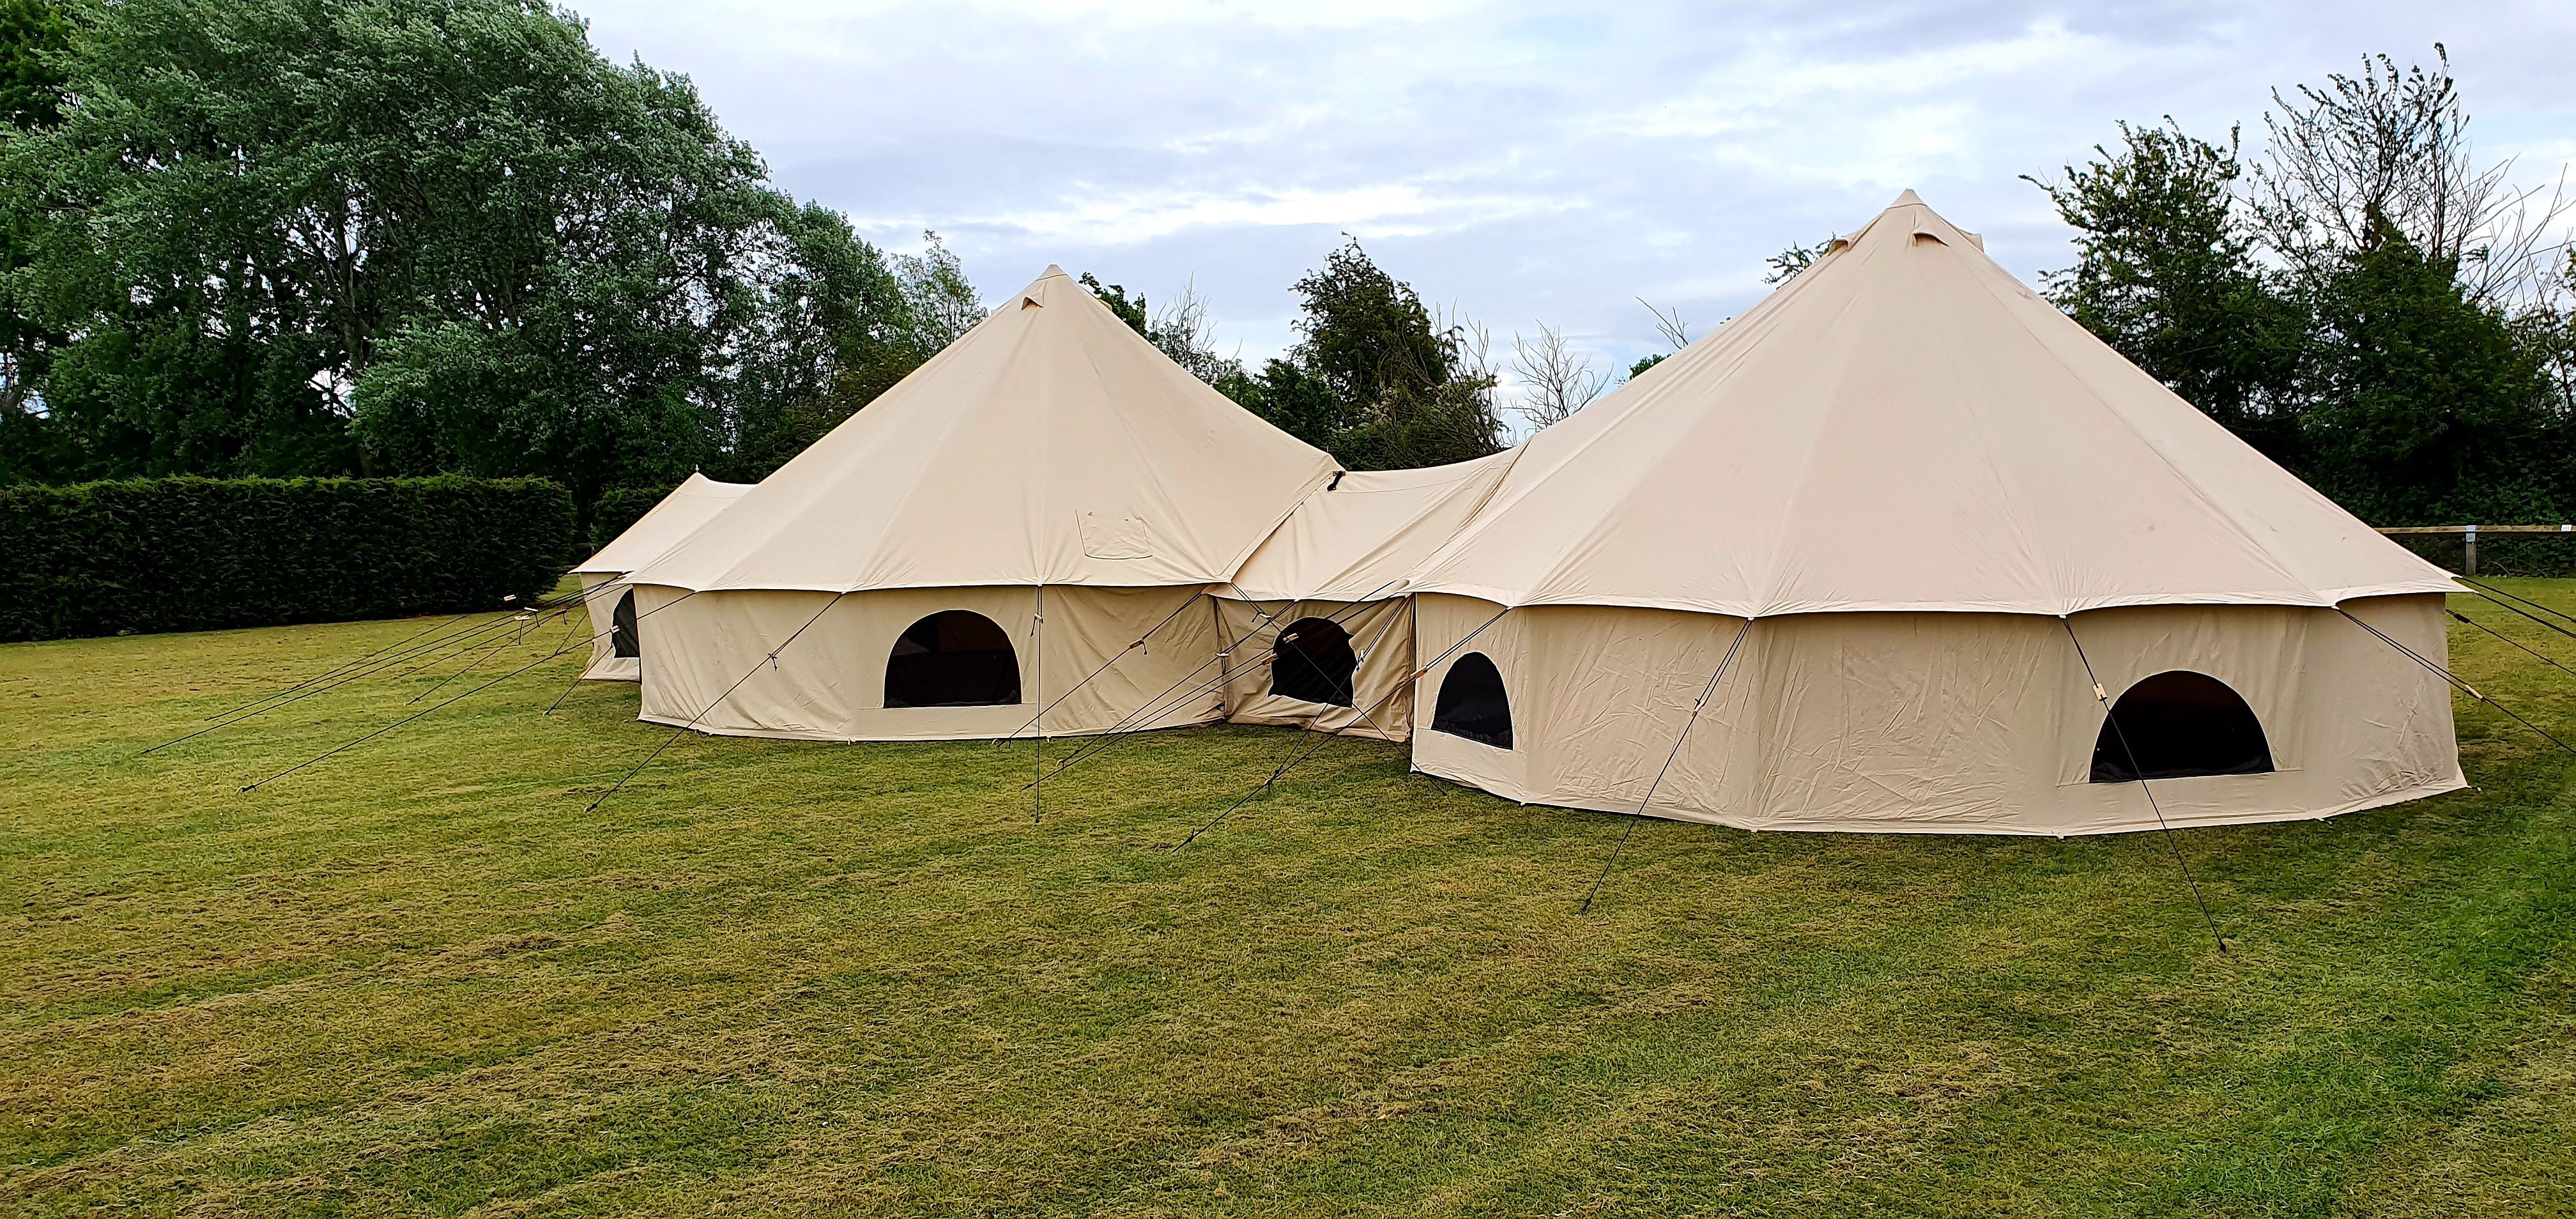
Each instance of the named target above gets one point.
<point>33,36</point>
<point>406,236</point>
<point>1785,265</point>
<point>2426,406</point>
<point>1643,363</point>
<point>1377,381</point>
<point>2166,274</point>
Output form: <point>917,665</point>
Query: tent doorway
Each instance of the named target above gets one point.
<point>622,640</point>
<point>1473,704</point>
<point>1313,663</point>
<point>954,658</point>
<point>2179,724</point>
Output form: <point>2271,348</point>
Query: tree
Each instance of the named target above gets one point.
<point>1180,329</point>
<point>2166,274</point>
<point>305,237</point>
<point>1559,380</point>
<point>1785,265</point>
<point>2427,406</point>
<point>33,37</point>
<point>939,299</point>
<point>1377,380</point>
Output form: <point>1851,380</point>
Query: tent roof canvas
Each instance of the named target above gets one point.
<point>1905,426</point>
<point>1357,538</point>
<point>1050,445</point>
<point>691,504</point>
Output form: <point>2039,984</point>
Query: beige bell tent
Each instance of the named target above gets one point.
<point>605,592</point>
<point>995,533</point>
<point>1319,631</point>
<point>1903,490</point>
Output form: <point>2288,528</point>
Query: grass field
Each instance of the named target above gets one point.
<point>772,977</point>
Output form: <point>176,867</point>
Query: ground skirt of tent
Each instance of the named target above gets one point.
<point>1937,722</point>
<point>927,664</point>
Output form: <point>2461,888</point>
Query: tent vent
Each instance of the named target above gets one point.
<point>1030,302</point>
<point>2179,724</point>
<point>621,628</point>
<point>1314,663</point>
<point>1838,245</point>
<point>954,658</point>
<point>1924,235</point>
<point>1473,703</point>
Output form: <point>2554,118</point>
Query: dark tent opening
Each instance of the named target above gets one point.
<point>1314,663</point>
<point>621,627</point>
<point>1472,703</point>
<point>2179,724</point>
<point>954,658</point>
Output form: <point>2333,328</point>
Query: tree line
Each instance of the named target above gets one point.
<point>2363,300</point>
<point>401,237</point>
<point>407,237</point>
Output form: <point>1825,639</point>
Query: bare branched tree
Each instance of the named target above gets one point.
<point>1557,380</point>
<point>1182,330</point>
<point>2387,152</point>
<point>1669,324</point>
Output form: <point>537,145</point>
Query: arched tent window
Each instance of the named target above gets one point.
<point>1313,662</point>
<point>622,641</point>
<point>954,658</point>
<point>1472,703</point>
<point>2179,724</point>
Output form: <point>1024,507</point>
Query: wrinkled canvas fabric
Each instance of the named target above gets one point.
<point>1909,474</point>
<point>1936,722</point>
<point>1050,445</point>
<point>1904,426</point>
<point>829,683</point>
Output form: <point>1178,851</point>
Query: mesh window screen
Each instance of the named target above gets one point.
<point>1314,663</point>
<point>621,627</point>
<point>2179,724</point>
<point>1472,703</point>
<point>954,658</point>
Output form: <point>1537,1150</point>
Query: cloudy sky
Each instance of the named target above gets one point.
<point>1520,162</point>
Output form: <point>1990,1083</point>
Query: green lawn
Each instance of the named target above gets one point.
<point>773,977</point>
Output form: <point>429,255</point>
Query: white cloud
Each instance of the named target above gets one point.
<point>1524,161</point>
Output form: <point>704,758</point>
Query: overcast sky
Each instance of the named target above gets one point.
<point>1520,162</point>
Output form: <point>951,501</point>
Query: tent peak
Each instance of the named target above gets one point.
<point>1053,272</point>
<point>1909,197</point>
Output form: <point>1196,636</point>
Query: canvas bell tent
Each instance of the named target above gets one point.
<point>980,541</point>
<point>614,654</point>
<point>1318,617</point>
<point>1925,512</point>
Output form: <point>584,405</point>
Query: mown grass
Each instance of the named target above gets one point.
<point>421,977</point>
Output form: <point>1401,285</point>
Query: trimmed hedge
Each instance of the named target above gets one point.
<point>619,508</point>
<point>193,554</point>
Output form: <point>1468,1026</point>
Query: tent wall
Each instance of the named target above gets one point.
<point>829,684</point>
<point>599,595</point>
<point>1938,722</point>
<point>1381,633</point>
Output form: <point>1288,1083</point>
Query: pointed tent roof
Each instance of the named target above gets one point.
<point>1905,426</point>
<point>1357,537</point>
<point>689,505</point>
<point>1051,444</point>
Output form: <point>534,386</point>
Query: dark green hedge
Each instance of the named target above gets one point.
<point>192,554</point>
<point>620,507</point>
